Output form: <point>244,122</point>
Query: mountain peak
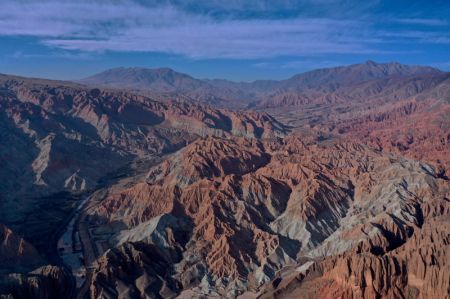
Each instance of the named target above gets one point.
<point>371,63</point>
<point>142,70</point>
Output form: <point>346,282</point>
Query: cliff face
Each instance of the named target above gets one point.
<point>62,135</point>
<point>135,270</point>
<point>43,283</point>
<point>255,207</point>
<point>23,274</point>
<point>416,269</point>
<point>15,252</point>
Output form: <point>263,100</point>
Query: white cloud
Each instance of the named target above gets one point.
<point>99,26</point>
<point>426,22</point>
<point>207,38</point>
<point>408,36</point>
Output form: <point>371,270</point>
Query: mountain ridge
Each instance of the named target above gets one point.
<point>168,83</point>
<point>369,63</point>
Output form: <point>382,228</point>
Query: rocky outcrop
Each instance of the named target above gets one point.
<point>16,253</point>
<point>134,270</point>
<point>416,269</point>
<point>43,283</point>
<point>258,206</point>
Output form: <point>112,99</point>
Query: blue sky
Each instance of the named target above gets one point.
<point>234,39</point>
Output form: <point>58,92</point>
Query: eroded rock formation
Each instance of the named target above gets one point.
<point>256,207</point>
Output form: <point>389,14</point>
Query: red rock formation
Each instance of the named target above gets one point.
<point>254,206</point>
<point>61,136</point>
<point>419,130</point>
<point>417,268</point>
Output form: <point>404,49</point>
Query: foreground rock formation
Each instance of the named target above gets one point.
<point>237,211</point>
<point>42,283</point>
<point>416,269</point>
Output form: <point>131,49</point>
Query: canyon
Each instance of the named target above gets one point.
<point>149,183</point>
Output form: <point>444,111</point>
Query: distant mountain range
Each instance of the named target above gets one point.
<point>165,82</point>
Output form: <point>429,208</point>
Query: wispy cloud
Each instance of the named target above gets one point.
<point>54,55</point>
<point>299,64</point>
<point>426,22</point>
<point>416,36</point>
<point>205,38</point>
<point>130,26</point>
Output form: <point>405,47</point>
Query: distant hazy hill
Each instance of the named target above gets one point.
<point>165,83</point>
<point>160,79</point>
